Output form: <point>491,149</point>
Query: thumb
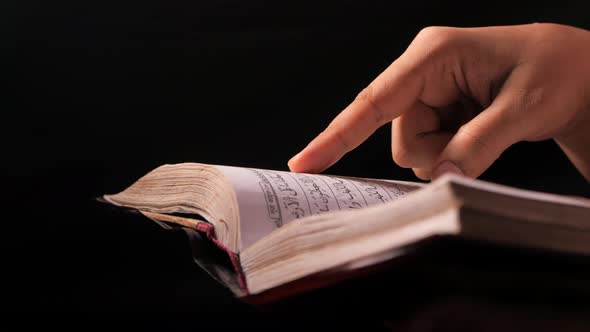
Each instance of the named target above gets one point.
<point>479,142</point>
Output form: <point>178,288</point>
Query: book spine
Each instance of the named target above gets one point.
<point>209,230</point>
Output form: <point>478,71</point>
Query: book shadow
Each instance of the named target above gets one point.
<point>455,284</point>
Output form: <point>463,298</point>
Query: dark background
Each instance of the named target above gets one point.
<point>97,93</point>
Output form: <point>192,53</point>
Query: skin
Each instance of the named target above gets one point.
<point>457,98</point>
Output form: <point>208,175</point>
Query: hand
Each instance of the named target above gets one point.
<point>459,97</point>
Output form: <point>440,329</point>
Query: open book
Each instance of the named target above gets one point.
<point>278,227</point>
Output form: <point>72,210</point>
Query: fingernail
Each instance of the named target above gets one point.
<point>444,168</point>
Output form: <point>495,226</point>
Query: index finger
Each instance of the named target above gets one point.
<point>394,91</point>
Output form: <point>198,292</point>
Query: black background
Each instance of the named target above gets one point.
<point>97,93</point>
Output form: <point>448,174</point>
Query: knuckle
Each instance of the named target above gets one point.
<point>530,105</point>
<point>543,29</point>
<point>438,39</point>
<point>524,103</point>
<point>470,133</point>
<point>367,96</point>
<point>430,32</point>
<point>336,135</point>
<point>530,98</point>
<point>343,140</point>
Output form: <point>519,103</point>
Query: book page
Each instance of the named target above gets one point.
<point>269,199</point>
